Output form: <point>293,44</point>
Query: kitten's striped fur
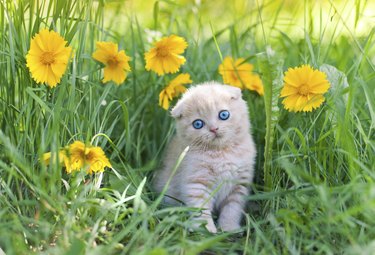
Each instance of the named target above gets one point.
<point>218,168</point>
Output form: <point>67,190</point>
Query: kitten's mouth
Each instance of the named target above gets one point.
<point>216,136</point>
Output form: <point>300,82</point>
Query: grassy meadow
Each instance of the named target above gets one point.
<point>314,187</point>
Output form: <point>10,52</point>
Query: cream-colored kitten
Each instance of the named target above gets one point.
<point>213,120</point>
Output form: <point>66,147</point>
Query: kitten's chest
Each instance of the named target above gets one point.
<point>225,178</point>
<point>225,165</point>
<point>225,172</point>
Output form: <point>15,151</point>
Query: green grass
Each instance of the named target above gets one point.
<point>314,190</point>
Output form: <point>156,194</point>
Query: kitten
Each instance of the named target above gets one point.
<point>213,120</point>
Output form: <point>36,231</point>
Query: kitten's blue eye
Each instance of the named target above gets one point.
<point>224,115</point>
<point>198,124</point>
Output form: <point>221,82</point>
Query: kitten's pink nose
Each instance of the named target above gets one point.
<point>214,130</point>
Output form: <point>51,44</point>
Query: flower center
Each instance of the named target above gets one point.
<point>303,90</point>
<point>112,61</point>
<point>47,58</point>
<point>163,51</point>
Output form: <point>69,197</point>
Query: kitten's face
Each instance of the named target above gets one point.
<point>211,115</point>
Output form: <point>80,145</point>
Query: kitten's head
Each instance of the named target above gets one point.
<point>211,115</point>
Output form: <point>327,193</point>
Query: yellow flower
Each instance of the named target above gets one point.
<point>77,156</point>
<point>165,56</point>
<point>116,62</point>
<point>256,84</point>
<point>304,88</point>
<point>48,57</point>
<point>239,74</point>
<point>174,89</point>
<point>92,157</point>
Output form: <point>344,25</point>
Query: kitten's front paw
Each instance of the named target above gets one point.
<point>230,227</point>
<point>211,227</point>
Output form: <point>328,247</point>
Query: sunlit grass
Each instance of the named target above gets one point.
<point>314,189</point>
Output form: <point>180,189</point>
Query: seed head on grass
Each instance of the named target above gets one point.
<point>238,73</point>
<point>304,88</point>
<point>48,57</point>
<point>116,62</point>
<point>78,156</point>
<point>165,56</point>
<point>174,89</point>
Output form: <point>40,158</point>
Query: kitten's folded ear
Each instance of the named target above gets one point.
<point>176,111</point>
<point>234,92</point>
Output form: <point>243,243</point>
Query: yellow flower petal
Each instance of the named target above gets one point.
<point>93,158</point>
<point>114,74</point>
<point>96,160</point>
<point>164,100</point>
<point>178,44</point>
<point>62,157</point>
<point>304,88</point>
<point>174,89</point>
<point>116,62</point>
<point>165,56</point>
<point>290,102</point>
<point>52,80</point>
<point>314,103</point>
<point>100,56</point>
<point>300,103</point>
<point>288,90</point>
<point>239,74</point>
<point>47,49</point>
